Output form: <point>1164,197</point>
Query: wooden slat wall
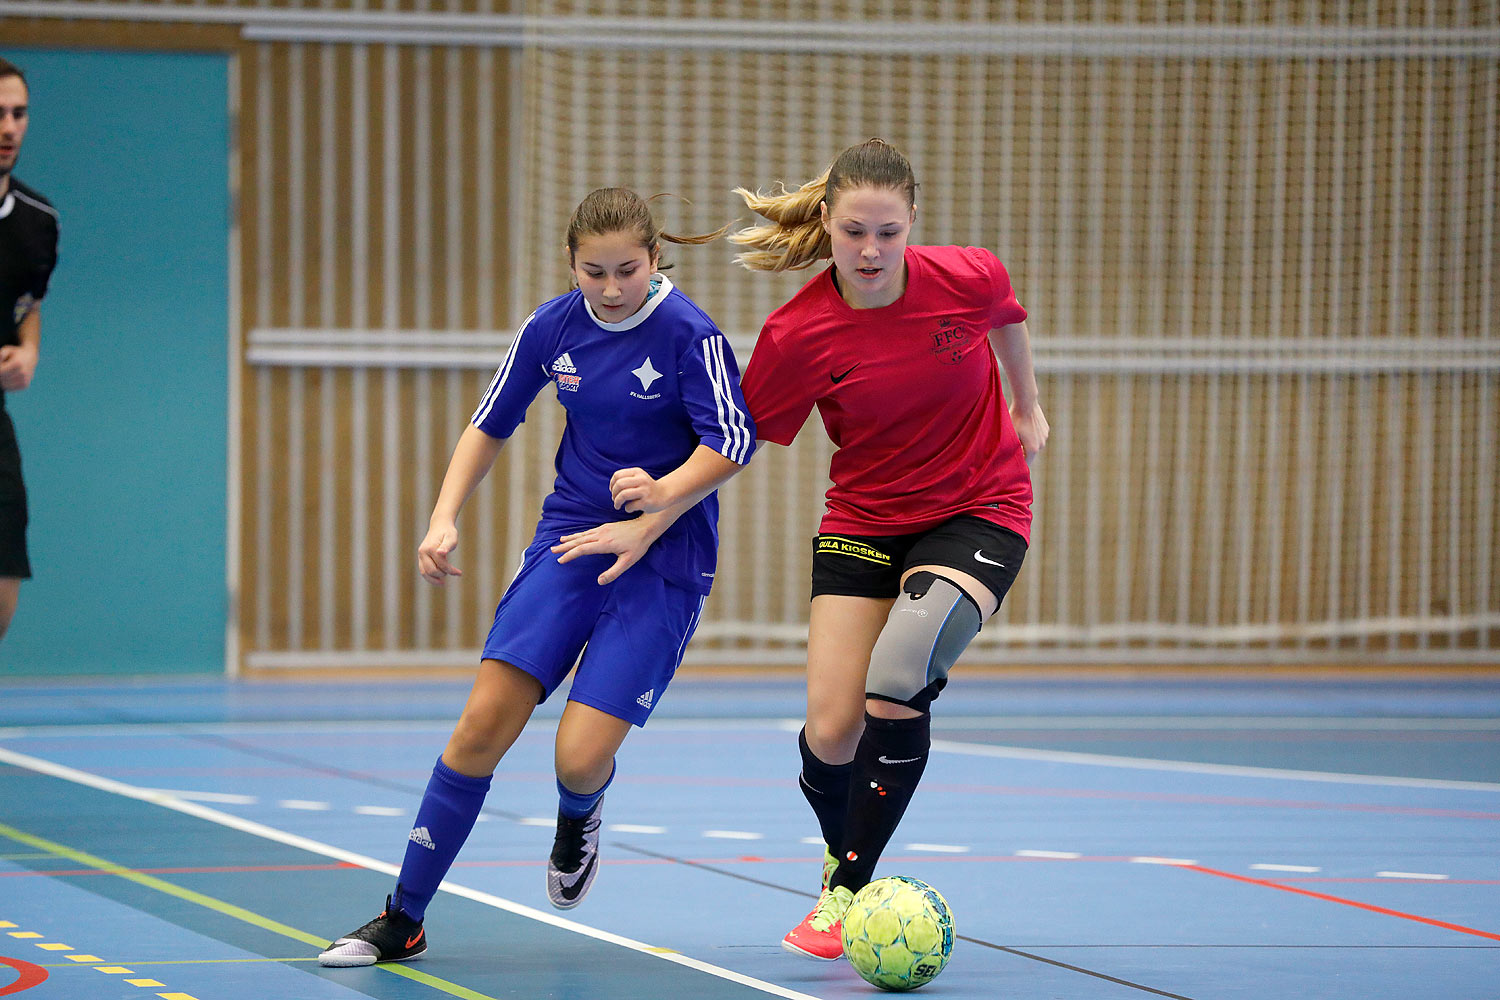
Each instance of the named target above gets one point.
<point>1227,510</point>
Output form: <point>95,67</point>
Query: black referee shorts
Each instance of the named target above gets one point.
<point>872,565</point>
<point>13,560</point>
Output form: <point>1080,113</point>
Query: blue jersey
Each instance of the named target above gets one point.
<point>643,392</point>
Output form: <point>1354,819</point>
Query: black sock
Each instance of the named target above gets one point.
<point>827,789</point>
<point>887,766</point>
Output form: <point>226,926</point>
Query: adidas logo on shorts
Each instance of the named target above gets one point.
<point>645,700</point>
<point>420,836</point>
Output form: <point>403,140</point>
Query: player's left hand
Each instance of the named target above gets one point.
<point>17,365</point>
<point>636,491</point>
<point>1031,427</point>
<point>626,540</point>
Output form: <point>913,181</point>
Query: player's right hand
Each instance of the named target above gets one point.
<point>636,491</point>
<point>432,554</point>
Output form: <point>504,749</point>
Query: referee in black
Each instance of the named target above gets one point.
<point>28,252</point>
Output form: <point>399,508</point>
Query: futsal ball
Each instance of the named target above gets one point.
<point>898,933</point>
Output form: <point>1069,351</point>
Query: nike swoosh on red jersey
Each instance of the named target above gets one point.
<point>839,378</point>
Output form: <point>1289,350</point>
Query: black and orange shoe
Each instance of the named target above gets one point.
<point>390,937</point>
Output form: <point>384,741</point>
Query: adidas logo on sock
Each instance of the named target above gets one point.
<point>420,836</point>
<point>645,700</point>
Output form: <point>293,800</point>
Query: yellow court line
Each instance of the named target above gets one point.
<point>195,961</point>
<point>222,907</point>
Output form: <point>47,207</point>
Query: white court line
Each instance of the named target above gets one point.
<point>225,728</point>
<point>1420,875</point>
<point>1192,767</point>
<point>1303,869</point>
<point>223,798</point>
<point>166,801</point>
<point>1060,855</point>
<point>1188,723</point>
<point>786,724</point>
<point>793,725</point>
<point>539,726</point>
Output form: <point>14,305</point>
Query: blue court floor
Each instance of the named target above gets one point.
<point>1098,837</point>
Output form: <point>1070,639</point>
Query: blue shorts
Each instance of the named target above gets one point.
<point>632,632</point>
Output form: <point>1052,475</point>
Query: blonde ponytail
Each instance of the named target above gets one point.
<point>795,237</point>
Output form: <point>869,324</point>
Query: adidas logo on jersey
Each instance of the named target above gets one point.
<point>564,365</point>
<point>645,700</point>
<point>422,837</point>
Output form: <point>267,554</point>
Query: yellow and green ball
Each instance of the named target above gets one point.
<point>898,933</point>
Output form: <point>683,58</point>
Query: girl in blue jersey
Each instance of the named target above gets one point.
<point>655,422</point>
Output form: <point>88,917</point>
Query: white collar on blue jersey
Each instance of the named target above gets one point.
<point>654,298</point>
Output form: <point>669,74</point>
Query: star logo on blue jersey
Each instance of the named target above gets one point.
<point>647,374</point>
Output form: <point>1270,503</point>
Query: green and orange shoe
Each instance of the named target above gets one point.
<point>820,934</point>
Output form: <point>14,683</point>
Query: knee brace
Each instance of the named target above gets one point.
<point>930,625</point>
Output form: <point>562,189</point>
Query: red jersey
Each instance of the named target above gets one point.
<point>909,394</point>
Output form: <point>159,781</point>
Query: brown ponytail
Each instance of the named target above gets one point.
<point>621,210</point>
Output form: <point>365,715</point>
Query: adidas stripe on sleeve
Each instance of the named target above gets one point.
<point>517,381</point>
<point>711,393</point>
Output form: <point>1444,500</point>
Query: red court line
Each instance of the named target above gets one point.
<point>30,975</point>
<point>202,870</point>
<point>1214,800</point>
<point>1402,881</point>
<point>1339,899</point>
<point>539,862</point>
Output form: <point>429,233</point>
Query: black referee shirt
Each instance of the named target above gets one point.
<point>28,253</point>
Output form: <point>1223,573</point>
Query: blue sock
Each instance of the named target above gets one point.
<point>447,814</point>
<point>575,806</point>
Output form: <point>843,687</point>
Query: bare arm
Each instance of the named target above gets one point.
<point>18,362</point>
<point>1012,345</point>
<point>704,471</point>
<point>664,500</point>
<point>472,457</point>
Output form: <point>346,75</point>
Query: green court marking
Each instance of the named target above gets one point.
<point>220,906</point>
<point>189,961</point>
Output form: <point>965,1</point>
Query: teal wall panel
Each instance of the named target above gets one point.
<point>123,430</point>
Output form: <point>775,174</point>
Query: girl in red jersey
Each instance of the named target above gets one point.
<point>929,514</point>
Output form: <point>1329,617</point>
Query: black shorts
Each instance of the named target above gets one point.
<point>872,565</point>
<point>13,561</point>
